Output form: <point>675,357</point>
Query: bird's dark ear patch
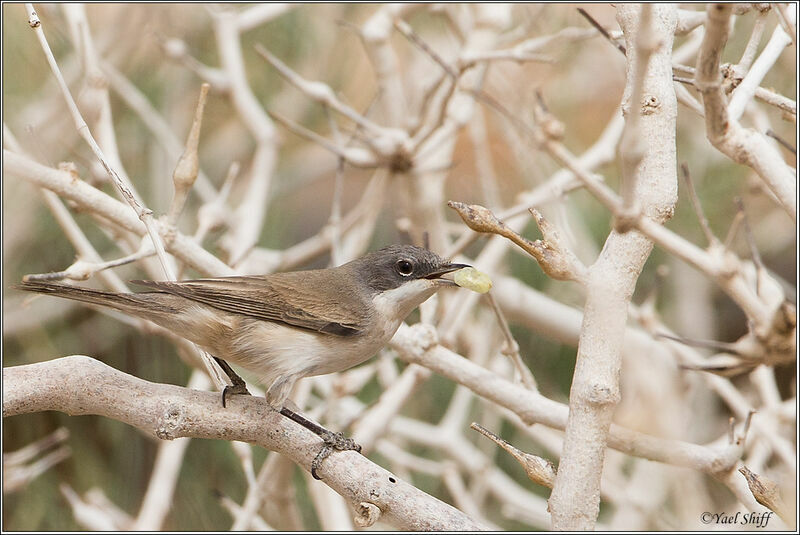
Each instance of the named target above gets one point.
<point>339,329</point>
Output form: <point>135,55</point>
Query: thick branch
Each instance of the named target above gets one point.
<point>80,385</point>
<point>594,395</point>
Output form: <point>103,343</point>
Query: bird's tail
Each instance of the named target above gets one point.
<point>142,305</point>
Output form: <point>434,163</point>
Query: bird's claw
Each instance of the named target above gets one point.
<point>330,442</point>
<point>230,390</point>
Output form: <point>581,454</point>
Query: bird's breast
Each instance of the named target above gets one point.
<point>270,350</point>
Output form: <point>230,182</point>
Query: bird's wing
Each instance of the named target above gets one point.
<point>290,298</point>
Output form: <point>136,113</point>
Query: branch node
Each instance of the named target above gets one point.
<point>170,422</point>
<point>33,20</point>
<point>367,514</point>
<point>626,220</point>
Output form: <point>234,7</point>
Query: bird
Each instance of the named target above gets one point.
<point>285,326</point>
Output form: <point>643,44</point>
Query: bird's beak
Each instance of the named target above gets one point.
<point>445,269</point>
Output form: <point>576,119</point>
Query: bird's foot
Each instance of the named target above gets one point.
<point>231,390</point>
<point>238,386</point>
<point>332,441</point>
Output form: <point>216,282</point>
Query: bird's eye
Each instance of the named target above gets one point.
<point>404,267</point>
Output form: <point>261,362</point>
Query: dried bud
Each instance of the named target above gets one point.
<point>538,469</point>
<point>765,491</point>
<point>554,257</point>
<point>188,166</point>
<point>477,217</point>
<point>552,262</point>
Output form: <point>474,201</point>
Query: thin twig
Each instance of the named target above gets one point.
<point>354,156</point>
<point>82,270</point>
<point>602,31</point>
<point>788,26</point>
<point>539,470</point>
<point>511,346</point>
<point>318,91</point>
<point>698,208</point>
<point>733,230</point>
<point>785,144</point>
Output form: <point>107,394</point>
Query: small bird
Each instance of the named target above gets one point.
<point>286,326</point>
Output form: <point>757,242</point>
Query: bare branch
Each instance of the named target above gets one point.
<point>594,394</point>
<point>81,385</point>
<point>416,345</point>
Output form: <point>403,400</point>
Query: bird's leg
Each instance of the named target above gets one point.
<point>238,386</point>
<point>331,441</point>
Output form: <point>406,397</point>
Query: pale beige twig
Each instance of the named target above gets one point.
<point>745,91</point>
<point>20,467</point>
<point>93,516</point>
<point>765,95</point>
<point>786,18</point>
<point>158,498</point>
<point>389,146</point>
<point>256,15</point>
<point>511,347</point>
<point>82,270</point>
<point>374,421</point>
<point>95,201</point>
<point>236,512</point>
<point>539,470</point>
<point>632,144</point>
<point>750,50</point>
<point>698,209</point>
<point>155,123</point>
<point>767,493</point>
<point>376,32</point>
<point>721,267</point>
<point>525,50</point>
<point>414,345</point>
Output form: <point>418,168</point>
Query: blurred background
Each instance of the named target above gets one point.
<point>161,53</point>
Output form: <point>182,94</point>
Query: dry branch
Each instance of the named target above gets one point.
<point>418,345</point>
<point>650,176</point>
<point>80,385</point>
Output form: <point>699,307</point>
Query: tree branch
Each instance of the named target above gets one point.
<point>575,500</point>
<point>418,346</point>
<point>79,385</point>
